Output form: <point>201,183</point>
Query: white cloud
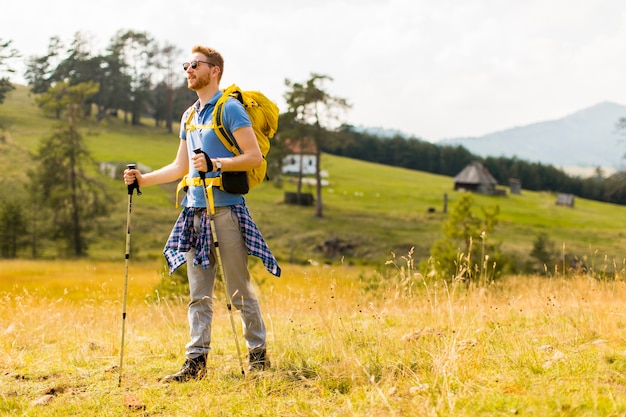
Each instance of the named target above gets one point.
<point>433,69</point>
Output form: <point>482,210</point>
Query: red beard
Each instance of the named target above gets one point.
<point>197,83</point>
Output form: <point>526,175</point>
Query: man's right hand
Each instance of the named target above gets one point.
<point>130,175</point>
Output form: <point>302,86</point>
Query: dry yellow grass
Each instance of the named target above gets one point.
<point>343,342</point>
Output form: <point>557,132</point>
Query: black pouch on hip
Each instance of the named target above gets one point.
<point>235,182</point>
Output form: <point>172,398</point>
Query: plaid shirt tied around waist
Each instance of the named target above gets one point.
<point>184,237</point>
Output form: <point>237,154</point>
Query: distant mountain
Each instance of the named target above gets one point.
<point>587,138</point>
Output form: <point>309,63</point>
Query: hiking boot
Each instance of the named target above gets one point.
<point>192,369</point>
<point>258,360</point>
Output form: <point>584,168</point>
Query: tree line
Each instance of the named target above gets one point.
<point>136,74</point>
<point>413,153</point>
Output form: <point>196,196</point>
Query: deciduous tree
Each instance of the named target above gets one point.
<point>316,112</point>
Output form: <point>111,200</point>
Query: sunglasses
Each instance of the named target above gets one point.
<point>194,64</point>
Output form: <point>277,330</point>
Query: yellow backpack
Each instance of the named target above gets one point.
<point>263,114</point>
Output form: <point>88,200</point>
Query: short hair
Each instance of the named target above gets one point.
<point>212,56</point>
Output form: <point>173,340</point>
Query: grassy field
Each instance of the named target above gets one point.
<point>356,333</point>
<point>344,341</point>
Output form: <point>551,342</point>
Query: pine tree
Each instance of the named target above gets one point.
<point>75,199</point>
<point>12,229</point>
<point>463,251</point>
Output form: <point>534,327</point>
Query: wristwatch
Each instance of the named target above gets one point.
<point>218,165</point>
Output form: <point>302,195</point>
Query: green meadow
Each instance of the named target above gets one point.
<point>373,210</point>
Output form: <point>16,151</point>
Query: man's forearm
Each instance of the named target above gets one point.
<point>168,173</point>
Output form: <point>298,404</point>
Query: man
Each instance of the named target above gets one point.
<point>190,240</point>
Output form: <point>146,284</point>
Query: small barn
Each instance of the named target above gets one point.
<point>476,178</point>
<point>564,199</point>
<point>515,186</point>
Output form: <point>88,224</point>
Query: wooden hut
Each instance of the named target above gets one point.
<point>476,178</point>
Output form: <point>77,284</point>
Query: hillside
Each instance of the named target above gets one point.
<point>370,210</point>
<point>587,138</point>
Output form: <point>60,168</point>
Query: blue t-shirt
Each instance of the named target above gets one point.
<point>235,117</point>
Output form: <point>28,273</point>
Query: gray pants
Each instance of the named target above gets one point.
<point>234,256</point>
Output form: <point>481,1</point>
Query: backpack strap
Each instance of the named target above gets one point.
<point>188,181</point>
<point>222,133</point>
<point>190,127</point>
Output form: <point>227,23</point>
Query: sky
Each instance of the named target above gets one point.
<point>433,69</point>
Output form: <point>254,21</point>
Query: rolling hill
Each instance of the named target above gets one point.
<point>370,210</point>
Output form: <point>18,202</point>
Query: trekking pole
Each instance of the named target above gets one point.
<point>130,187</point>
<point>210,208</point>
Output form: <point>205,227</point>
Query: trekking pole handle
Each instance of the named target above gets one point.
<point>135,184</point>
<point>209,164</point>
